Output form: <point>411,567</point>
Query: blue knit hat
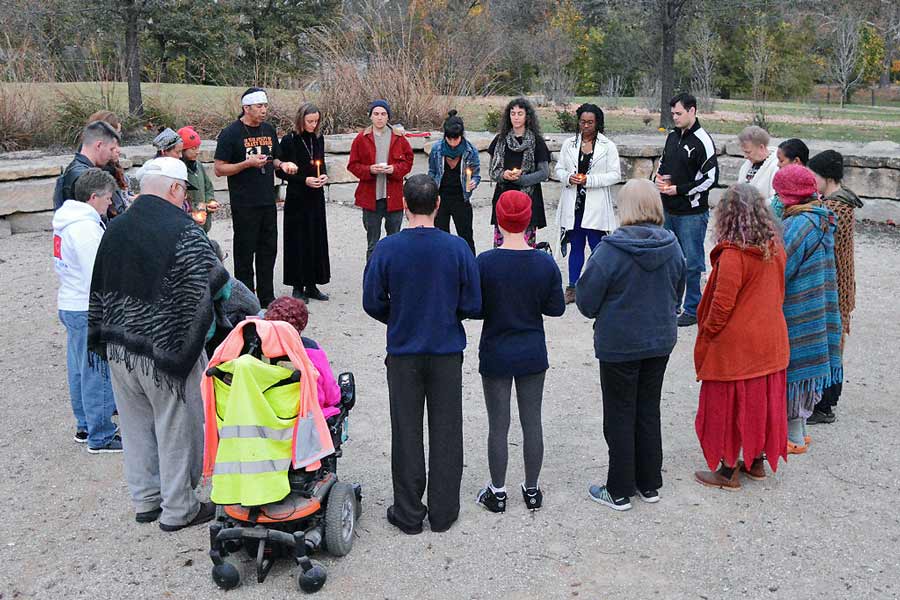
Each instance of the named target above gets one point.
<point>382,103</point>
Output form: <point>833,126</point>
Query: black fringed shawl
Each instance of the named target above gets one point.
<point>152,291</point>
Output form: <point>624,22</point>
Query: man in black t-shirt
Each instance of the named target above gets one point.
<point>248,154</point>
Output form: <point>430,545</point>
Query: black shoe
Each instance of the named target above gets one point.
<point>315,293</point>
<point>491,500</point>
<point>148,516</point>
<point>299,294</point>
<point>81,437</point>
<point>533,497</point>
<point>112,446</point>
<point>206,514</point>
<point>820,416</point>
<point>686,320</point>
<point>649,496</point>
<point>407,530</point>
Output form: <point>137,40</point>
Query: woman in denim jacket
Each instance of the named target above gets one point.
<point>454,165</point>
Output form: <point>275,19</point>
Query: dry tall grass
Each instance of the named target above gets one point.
<point>375,54</point>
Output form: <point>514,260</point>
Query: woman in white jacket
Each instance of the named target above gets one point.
<point>762,162</point>
<point>588,167</point>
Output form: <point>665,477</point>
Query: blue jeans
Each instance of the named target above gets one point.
<point>691,232</point>
<point>90,389</point>
<point>577,238</point>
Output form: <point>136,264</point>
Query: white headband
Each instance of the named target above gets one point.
<point>255,98</point>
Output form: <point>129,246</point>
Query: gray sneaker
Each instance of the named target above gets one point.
<point>112,446</point>
<point>599,493</point>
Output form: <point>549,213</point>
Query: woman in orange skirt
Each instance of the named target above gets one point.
<point>742,348</point>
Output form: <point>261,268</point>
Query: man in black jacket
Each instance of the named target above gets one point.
<point>99,146</point>
<point>688,169</point>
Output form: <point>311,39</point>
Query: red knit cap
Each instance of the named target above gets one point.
<point>189,137</point>
<point>794,184</point>
<point>514,211</point>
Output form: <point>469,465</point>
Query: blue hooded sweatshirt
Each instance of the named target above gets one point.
<point>631,287</point>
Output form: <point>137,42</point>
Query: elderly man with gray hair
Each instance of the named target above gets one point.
<point>762,162</point>
<point>150,313</point>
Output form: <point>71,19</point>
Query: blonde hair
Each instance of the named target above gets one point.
<point>639,202</point>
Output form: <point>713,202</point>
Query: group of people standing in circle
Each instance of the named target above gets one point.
<point>771,321</point>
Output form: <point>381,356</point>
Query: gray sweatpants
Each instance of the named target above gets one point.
<point>163,440</point>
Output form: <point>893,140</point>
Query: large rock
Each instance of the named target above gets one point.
<point>138,155</point>
<point>29,195</point>
<point>337,169</point>
<point>637,168</point>
<point>31,222</point>
<point>729,166</point>
<point>873,183</point>
<point>13,170</point>
<point>219,183</point>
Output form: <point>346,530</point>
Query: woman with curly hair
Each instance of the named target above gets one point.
<point>520,160</point>
<point>742,349</point>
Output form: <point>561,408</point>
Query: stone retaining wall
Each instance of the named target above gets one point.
<point>27,178</point>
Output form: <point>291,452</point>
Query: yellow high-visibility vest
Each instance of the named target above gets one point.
<point>255,416</point>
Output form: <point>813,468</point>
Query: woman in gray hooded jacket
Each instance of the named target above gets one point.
<point>631,287</point>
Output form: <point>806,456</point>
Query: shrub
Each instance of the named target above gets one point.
<point>492,119</point>
<point>378,54</point>
<point>567,121</point>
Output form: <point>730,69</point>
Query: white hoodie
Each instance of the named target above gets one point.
<point>77,230</point>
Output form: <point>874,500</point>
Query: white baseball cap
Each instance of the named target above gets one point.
<point>167,167</point>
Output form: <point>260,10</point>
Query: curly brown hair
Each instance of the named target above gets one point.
<point>290,310</point>
<point>743,218</point>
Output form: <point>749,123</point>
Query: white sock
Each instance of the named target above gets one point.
<point>525,487</point>
<point>500,490</point>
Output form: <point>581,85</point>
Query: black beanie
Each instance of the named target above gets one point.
<point>828,164</point>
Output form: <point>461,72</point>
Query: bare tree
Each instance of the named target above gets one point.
<point>669,13</point>
<point>845,66</point>
<point>704,58</point>
<point>759,61</point>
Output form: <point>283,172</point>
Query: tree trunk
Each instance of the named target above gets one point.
<point>133,59</point>
<point>667,66</point>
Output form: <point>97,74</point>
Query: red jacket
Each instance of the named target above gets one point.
<point>741,331</point>
<point>362,156</point>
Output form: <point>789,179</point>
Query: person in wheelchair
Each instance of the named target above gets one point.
<point>273,437</point>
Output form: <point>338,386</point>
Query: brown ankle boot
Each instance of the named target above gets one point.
<point>717,479</point>
<point>756,471</point>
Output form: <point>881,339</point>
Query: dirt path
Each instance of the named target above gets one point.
<point>825,526</point>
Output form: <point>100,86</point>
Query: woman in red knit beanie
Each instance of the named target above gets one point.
<point>742,347</point>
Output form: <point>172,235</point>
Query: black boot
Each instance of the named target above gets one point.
<point>299,294</point>
<point>315,294</point>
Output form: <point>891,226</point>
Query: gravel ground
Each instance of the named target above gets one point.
<point>823,527</point>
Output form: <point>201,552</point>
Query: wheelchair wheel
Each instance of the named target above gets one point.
<point>340,519</point>
<point>312,580</point>
<point>226,576</point>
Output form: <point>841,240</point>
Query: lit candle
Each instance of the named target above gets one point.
<point>468,178</point>
<point>318,169</point>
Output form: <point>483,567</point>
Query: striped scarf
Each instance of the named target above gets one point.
<point>811,301</point>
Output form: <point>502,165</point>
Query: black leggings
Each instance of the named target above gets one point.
<point>529,394</point>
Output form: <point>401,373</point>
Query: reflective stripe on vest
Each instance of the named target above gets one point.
<point>256,431</point>
<point>251,468</point>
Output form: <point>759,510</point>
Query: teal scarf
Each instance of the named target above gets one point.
<point>448,151</point>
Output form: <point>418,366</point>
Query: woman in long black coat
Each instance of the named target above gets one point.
<point>305,255</point>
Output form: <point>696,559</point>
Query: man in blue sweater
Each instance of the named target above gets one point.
<point>422,282</point>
